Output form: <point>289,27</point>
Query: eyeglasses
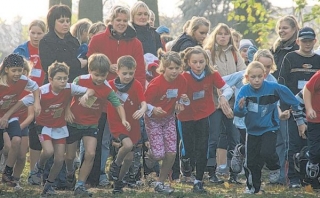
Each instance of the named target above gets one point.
<point>61,79</point>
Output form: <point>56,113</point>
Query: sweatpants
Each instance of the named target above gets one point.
<point>195,137</point>
<point>260,150</point>
<point>314,142</point>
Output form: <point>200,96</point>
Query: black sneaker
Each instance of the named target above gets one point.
<point>82,191</point>
<point>114,171</point>
<point>213,178</point>
<point>8,180</point>
<point>71,180</point>
<point>233,178</point>
<point>185,167</point>
<point>118,187</point>
<point>198,188</point>
<point>48,190</point>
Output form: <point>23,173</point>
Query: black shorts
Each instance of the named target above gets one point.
<point>34,142</point>
<point>1,139</point>
<point>13,129</point>
<point>77,134</point>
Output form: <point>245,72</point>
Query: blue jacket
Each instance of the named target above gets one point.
<point>23,50</point>
<point>260,110</point>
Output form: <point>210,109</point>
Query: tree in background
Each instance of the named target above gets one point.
<point>91,9</point>
<point>253,19</point>
<point>153,5</point>
<point>64,2</point>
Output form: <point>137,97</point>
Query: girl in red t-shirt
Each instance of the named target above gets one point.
<point>165,95</point>
<point>201,80</point>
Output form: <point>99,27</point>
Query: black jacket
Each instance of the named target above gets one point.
<point>149,38</point>
<point>183,42</point>
<point>52,48</point>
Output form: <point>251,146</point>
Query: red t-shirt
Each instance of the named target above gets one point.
<point>164,94</point>
<point>131,101</point>
<point>90,116</point>
<point>37,74</point>
<point>9,95</point>
<point>53,106</point>
<point>201,96</point>
<point>313,86</point>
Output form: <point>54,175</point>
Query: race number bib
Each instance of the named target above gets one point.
<point>198,95</point>
<point>122,96</point>
<point>172,93</point>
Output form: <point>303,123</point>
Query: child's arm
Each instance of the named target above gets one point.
<point>85,97</point>
<point>227,93</point>
<point>139,113</point>
<point>310,112</point>
<point>36,105</point>
<point>283,115</point>
<point>68,115</point>
<point>240,108</point>
<point>29,119</point>
<point>122,115</point>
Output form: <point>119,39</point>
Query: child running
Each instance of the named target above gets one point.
<point>83,121</point>
<point>257,102</point>
<point>165,95</point>
<point>201,79</point>
<point>130,93</point>
<point>12,83</point>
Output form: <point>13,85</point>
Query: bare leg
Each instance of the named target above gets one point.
<point>166,166</point>
<point>126,165</point>
<point>90,144</point>
<point>59,150</point>
<point>71,150</point>
<point>21,160</point>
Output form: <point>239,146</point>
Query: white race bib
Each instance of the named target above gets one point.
<point>198,95</point>
<point>122,96</point>
<point>172,93</point>
<point>35,72</point>
<point>253,107</point>
<point>301,84</point>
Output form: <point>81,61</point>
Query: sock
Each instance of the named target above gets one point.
<point>79,183</point>
<point>196,181</point>
<point>8,170</point>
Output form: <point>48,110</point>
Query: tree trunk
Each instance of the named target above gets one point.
<point>153,5</point>
<point>90,9</point>
<point>57,2</point>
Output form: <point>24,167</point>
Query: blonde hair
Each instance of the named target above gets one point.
<point>79,28</point>
<point>253,65</point>
<point>56,67</point>
<point>267,54</point>
<point>95,28</point>
<point>235,34</point>
<point>117,10</point>
<point>186,54</point>
<point>135,8</point>
<point>39,24</point>
<point>195,23</point>
<point>212,45</point>
<point>99,62</point>
<point>27,66</point>
<point>166,58</point>
<point>293,23</point>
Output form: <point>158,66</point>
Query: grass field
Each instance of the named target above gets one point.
<point>182,190</point>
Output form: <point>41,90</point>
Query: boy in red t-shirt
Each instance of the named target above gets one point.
<point>130,93</point>
<point>51,124</point>
<point>311,100</point>
<point>83,121</point>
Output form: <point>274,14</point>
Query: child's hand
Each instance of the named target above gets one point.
<point>311,114</point>
<point>185,98</point>
<point>147,144</point>
<point>302,129</point>
<point>116,144</point>
<point>3,122</point>
<point>138,114</point>
<point>37,109</point>
<point>285,115</point>
<point>242,102</point>
<point>83,100</point>
<point>126,124</point>
<point>158,111</point>
<point>69,117</point>
<point>113,68</point>
<point>179,107</point>
<point>227,111</point>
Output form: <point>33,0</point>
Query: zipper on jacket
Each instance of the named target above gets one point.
<point>118,45</point>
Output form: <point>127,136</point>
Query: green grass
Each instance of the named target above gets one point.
<point>181,191</point>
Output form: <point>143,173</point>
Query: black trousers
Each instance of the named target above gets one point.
<point>195,137</point>
<point>260,150</point>
<point>314,142</point>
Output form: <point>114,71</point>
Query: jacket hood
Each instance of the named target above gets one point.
<point>130,33</point>
<point>181,40</point>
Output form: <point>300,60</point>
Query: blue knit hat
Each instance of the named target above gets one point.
<point>162,29</point>
<point>251,51</point>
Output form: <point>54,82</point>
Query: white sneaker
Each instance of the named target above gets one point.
<point>274,176</point>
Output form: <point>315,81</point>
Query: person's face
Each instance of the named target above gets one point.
<point>151,21</point>
<point>306,45</point>
<point>35,35</point>
<point>84,36</point>
<point>97,77</point>
<point>223,37</point>
<point>141,17</point>
<point>125,74</point>
<point>236,41</point>
<point>120,23</point>
<point>59,81</point>
<point>171,72</point>
<point>244,54</point>
<point>256,77</point>
<point>13,73</point>
<point>62,26</point>
<point>285,31</point>
<point>267,63</point>
<point>197,63</point>
<point>201,33</point>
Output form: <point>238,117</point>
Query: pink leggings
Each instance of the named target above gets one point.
<point>162,135</point>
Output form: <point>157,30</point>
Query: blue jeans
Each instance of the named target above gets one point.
<point>216,119</point>
<point>105,150</point>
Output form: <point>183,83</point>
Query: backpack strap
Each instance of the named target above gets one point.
<point>235,57</point>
